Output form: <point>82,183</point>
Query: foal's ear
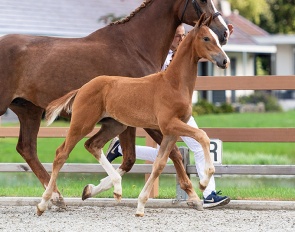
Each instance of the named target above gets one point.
<point>208,21</point>
<point>201,20</point>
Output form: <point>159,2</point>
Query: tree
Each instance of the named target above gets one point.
<point>274,16</point>
<point>283,13</point>
<point>252,9</point>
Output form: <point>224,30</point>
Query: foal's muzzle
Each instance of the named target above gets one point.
<point>222,61</point>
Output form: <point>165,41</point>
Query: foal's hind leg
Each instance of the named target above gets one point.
<point>184,181</point>
<point>62,154</point>
<point>79,128</point>
<point>127,141</point>
<point>110,128</point>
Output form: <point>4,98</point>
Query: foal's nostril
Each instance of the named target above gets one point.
<point>225,61</point>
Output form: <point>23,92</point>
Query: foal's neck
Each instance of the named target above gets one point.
<point>182,71</point>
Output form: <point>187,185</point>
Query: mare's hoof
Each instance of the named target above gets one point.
<point>118,197</point>
<point>86,192</point>
<point>198,205</point>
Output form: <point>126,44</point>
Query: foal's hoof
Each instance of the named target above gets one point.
<point>117,196</point>
<point>198,205</point>
<point>87,192</point>
<point>139,214</point>
<point>39,212</point>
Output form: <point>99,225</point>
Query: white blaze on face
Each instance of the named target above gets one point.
<point>217,42</point>
<point>216,38</point>
<point>220,18</point>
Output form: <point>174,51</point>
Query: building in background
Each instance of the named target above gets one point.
<point>245,53</point>
<point>284,64</point>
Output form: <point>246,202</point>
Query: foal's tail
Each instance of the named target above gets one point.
<point>55,107</point>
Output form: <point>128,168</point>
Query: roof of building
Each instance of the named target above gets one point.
<point>67,18</point>
<point>77,18</point>
<point>244,30</point>
<point>276,39</point>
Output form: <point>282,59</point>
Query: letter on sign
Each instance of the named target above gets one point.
<point>216,150</point>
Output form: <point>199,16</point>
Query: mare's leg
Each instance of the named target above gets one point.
<point>30,117</point>
<point>184,181</point>
<point>109,129</point>
<point>158,166</point>
<point>127,141</point>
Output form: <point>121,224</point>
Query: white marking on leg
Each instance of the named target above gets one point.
<point>46,196</point>
<point>114,175</point>
<point>144,195</point>
<point>105,183</point>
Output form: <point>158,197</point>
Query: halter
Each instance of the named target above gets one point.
<point>197,9</point>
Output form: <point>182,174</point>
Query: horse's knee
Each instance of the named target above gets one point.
<point>90,146</point>
<point>158,167</point>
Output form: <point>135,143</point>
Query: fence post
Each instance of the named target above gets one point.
<point>181,195</point>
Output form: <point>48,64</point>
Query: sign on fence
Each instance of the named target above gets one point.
<point>216,150</point>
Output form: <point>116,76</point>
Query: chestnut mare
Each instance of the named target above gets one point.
<point>36,70</point>
<point>161,101</point>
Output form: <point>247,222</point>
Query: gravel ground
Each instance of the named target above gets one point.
<point>121,218</point>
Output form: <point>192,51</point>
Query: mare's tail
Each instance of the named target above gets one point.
<point>55,107</point>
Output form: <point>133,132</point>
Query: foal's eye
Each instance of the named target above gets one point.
<point>206,39</point>
<point>203,1</point>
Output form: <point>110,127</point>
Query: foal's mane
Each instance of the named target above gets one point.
<point>132,14</point>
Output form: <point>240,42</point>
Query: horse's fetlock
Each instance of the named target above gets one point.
<point>143,199</point>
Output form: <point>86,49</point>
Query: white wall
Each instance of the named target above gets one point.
<point>242,69</point>
<point>285,60</point>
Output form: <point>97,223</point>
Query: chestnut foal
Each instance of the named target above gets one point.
<point>161,101</point>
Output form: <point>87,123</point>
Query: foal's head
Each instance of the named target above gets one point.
<point>206,44</point>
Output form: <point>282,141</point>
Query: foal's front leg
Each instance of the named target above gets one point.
<point>184,181</point>
<point>158,166</point>
<point>182,129</point>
